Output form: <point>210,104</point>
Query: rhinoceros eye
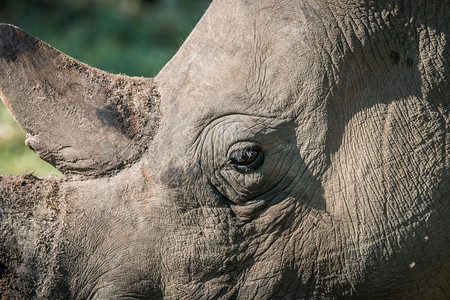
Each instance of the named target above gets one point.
<point>246,159</point>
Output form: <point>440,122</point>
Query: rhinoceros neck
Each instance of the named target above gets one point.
<point>31,222</point>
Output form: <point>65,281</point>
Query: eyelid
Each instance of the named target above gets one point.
<point>241,145</point>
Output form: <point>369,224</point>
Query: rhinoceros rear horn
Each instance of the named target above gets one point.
<point>78,118</point>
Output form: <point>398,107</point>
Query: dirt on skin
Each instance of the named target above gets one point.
<point>19,198</point>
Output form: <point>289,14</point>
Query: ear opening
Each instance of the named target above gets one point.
<point>79,119</point>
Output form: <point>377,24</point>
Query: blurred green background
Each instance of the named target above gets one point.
<point>135,37</point>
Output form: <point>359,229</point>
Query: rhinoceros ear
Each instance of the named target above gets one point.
<point>78,118</point>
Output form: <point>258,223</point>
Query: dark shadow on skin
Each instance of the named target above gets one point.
<point>14,42</point>
<point>307,190</point>
<point>301,183</point>
<point>392,49</point>
<point>117,116</point>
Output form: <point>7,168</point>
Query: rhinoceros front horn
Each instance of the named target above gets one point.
<point>78,118</point>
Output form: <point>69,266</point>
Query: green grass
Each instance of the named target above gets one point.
<point>133,37</point>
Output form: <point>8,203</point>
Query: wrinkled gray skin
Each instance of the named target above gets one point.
<point>348,101</point>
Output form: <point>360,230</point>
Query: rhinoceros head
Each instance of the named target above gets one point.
<point>289,150</point>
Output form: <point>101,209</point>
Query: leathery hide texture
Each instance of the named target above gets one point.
<point>289,150</point>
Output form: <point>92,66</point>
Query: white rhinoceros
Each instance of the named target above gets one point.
<point>290,150</point>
